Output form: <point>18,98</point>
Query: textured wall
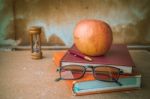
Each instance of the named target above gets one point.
<point>129,19</point>
<point>6,23</point>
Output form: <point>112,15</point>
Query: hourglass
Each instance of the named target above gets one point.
<point>35,42</point>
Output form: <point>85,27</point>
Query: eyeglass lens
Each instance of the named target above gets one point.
<point>106,73</point>
<point>72,72</point>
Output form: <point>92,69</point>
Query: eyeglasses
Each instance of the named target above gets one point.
<point>102,73</point>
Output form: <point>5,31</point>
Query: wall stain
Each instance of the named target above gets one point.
<point>129,19</point>
<point>6,24</point>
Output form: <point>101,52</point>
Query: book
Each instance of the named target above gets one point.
<point>129,81</point>
<point>96,86</point>
<point>118,56</point>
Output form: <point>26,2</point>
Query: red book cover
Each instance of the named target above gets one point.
<point>118,56</point>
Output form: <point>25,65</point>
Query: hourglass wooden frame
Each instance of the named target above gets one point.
<point>35,40</point>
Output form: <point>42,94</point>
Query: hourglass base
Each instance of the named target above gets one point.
<point>36,55</point>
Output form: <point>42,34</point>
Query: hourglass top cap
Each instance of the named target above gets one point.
<point>35,30</point>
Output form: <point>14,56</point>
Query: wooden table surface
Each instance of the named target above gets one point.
<point>24,78</point>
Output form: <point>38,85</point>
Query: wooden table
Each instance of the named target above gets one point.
<point>24,78</point>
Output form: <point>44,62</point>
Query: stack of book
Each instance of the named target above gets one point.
<point>118,56</point>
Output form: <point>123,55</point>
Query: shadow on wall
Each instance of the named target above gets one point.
<point>55,40</point>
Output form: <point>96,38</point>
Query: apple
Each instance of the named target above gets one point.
<point>92,37</point>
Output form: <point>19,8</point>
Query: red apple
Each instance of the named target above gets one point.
<point>93,37</point>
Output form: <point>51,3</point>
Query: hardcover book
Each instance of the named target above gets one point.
<point>88,85</point>
<point>118,56</point>
<point>96,86</point>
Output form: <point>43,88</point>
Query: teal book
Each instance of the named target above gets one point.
<point>96,86</point>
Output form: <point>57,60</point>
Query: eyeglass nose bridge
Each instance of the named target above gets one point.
<point>89,66</point>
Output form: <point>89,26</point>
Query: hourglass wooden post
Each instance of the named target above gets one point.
<point>35,39</point>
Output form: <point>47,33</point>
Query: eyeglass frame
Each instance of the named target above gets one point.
<point>93,72</point>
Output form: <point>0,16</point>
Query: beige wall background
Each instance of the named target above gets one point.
<point>129,19</point>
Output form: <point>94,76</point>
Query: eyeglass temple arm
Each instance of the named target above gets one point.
<point>58,79</point>
<point>120,72</point>
<point>116,81</point>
